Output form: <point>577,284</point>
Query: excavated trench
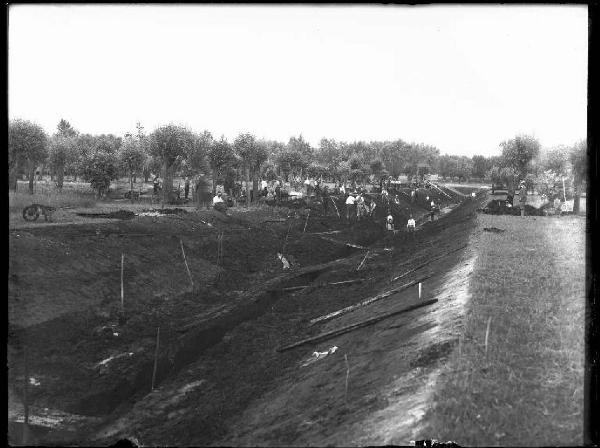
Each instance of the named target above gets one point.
<point>187,350</point>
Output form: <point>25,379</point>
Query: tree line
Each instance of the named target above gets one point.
<point>172,149</point>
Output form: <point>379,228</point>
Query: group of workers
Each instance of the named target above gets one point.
<point>361,205</point>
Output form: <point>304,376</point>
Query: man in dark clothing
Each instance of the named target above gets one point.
<point>187,186</point>
<point>325,199</point>
<point>522,197</point>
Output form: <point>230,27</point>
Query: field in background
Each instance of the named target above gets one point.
<point>528,388</point>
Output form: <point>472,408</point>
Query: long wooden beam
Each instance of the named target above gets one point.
<point>366,302</point>
<point>427,263</point>
<point>349,328</point>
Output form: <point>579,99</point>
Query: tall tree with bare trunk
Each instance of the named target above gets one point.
<point>28,146</point>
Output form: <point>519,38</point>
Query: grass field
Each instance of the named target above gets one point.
<point>521,382</point>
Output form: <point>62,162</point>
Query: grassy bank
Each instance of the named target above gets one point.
<point>525,387</point>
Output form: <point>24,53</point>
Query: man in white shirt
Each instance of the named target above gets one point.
<point>389,223</point>
<point>218,198</point>
<point>410,226</point>
<point>350,201</point>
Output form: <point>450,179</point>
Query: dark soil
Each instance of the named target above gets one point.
<point>120,214</point>
<point>64,307</point>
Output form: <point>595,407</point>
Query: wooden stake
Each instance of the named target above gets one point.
<point>186,265</point>
<point>347,375</point>
<point>155,357</point>
<point>306,222</point>
<point>363,261</point>
<point>340,331</point>
<point>122,290</point>
<point>487,332</point>
<point>419,290</point>
<point>285,240</point>
<point>336,209</point>
<point>365,302</point>
<point>26,387</point>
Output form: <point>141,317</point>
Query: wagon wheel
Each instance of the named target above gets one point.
<point>31,213</point>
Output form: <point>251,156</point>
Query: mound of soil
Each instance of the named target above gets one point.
<point>120,214</point>
<point>169,211</point>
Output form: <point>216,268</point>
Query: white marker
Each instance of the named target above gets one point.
<point>419,290</point>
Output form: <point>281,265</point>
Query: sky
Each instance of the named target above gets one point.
<point>457,77</point>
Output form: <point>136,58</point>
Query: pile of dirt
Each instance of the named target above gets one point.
<point>119,214</point>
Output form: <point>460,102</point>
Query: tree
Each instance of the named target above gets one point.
<point>557,159</point>
<point>291,161</point>
<point>62,154</point>
<point>64,129</point>
<point>132,159</point>
<point>170,144</point>
<point>27,143</point>
<point>518,153</point>
<point>84,147</point>
<point>221,157</point>
<point>100,169</point>
<point>62,151</point>
<point>480,166</point>
<point>578,158</point>
<point>376,166</point>
<point>150,163</point>
<point>329,154</point>
<point>252,153</point>
<point>98,160</point>
<point>197,159</point>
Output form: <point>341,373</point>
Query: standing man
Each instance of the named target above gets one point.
<point>389,222</point>
<point>325,199</point>
<point>349,206</point>
<point>557,205</point>
<point>186,188</point>
<point>360,206</point>
<point>410,226</point>
<point>156,184</point>
<point>432,210</point>
<point>522,197</point>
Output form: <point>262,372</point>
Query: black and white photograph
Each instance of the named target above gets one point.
<point>297,225</point>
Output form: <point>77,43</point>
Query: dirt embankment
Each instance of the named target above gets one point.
<point>217,343</point>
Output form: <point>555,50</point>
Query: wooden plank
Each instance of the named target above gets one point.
<point>366,302</point>
<point>428,262</point>
<point>296,288</point>
<point>349,328</point>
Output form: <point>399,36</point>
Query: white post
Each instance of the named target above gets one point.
<point>419,290</point>
<point>564,192</point>
<point>122,293</point>
<point>306,222</point>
